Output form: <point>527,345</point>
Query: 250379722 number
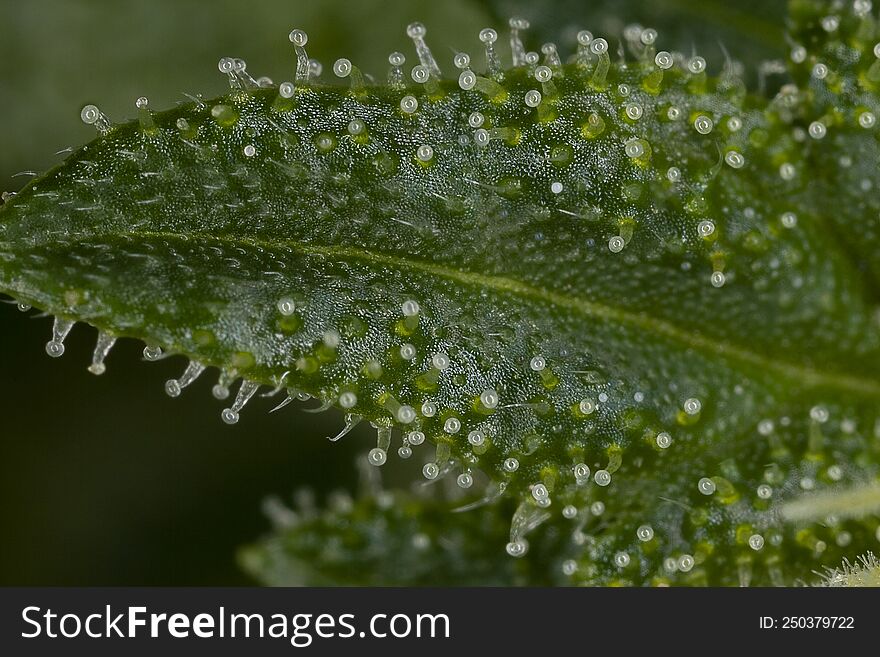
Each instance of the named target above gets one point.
<point>816,622</point>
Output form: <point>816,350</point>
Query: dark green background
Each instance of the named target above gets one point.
<point>105,480</point>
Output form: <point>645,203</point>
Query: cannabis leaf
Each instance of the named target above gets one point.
<point>385,538</point>
<point>638,299</point>
<point>750,31</point>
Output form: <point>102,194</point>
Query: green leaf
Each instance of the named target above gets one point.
<point>623,291</point>
<point>385,538</point>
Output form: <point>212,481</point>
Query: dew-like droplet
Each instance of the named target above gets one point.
<point>587,406</point>
<point>648,36</point>
<point>420,74</point>
<point>706,486</point>
<point>410,308</point>
<point>488,35</point>
<point>409,104</point>
<point>765,427</point>
<point>467,80</point>
<point>633,111</point>
<point>90,114</point>
<point>489,398</point>
<point>703,124</point>
<point>55,349</point>
<point>663,60</point>
<point>787,171</point>
<point>406,414</point>
<point>286,89</point>
<point>616,244</point>
<point>819,414</point>
<point>734,159</point>
<point>286,306</point>
<point>543,74</point>
<point>835,472</point>
<point>342,67</point>
<point>634,148</point>
<point>298,37</point>
<point>407,351</point>
<point>476,438</point>
<point>172,388</point>
<point>830,23</point>
<point>705,228</point>
<point>696,65</point>
<point>377,456</point>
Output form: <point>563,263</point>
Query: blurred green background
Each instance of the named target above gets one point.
<point>106,480</point>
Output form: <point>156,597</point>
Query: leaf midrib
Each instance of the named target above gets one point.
<point>801,376</point>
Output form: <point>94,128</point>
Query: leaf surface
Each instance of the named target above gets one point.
<point>624,292</point>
